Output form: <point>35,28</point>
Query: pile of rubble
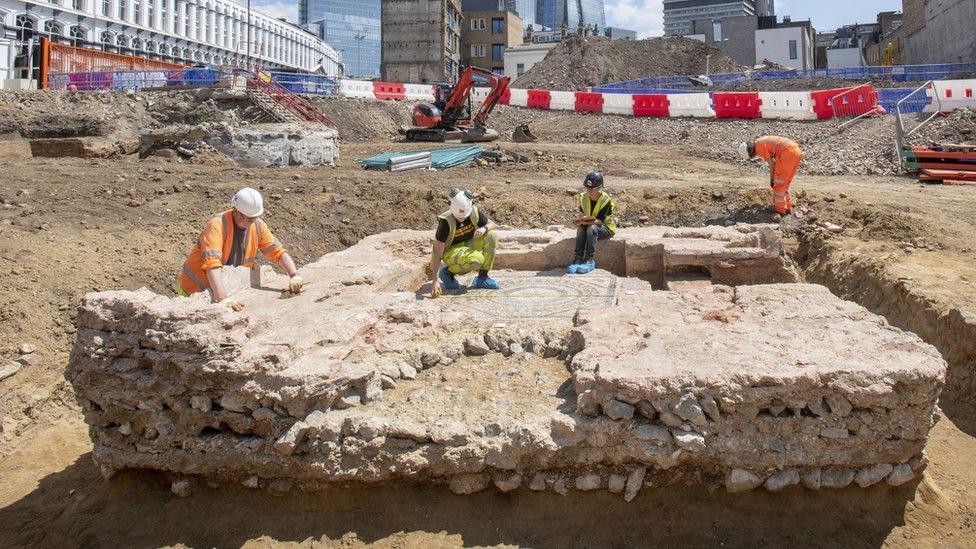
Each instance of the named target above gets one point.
<point>594,382</point>
<point>580,62</point>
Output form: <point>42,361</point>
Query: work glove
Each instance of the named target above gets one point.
<point>236,306</point>
<point>295,284</point>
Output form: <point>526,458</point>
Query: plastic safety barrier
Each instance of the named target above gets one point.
<point>478,95</point>
<point>697,105</point>
<point>562,100</point>
<point>856,102</point>
<point>516,98</point>
<point>617,103</point>
<point>654,104</point>
<point>588,102</point>
<point>787,105</point>
<point>389,91</point>
<point>822,101</point>
<point>951,95</point>
<point>538,99</point>
<point>419,92</point>
<point>737,105</point>
<point>357,88</point>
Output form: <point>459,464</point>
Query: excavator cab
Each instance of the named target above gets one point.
<point>451,116</point>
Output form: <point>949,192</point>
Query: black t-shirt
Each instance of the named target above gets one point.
<point>463,231</point>
<point>236,257</point>
<point>602,214</point>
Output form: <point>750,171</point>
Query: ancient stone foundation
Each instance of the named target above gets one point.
<point>278,144</point>
<point>555,382</point>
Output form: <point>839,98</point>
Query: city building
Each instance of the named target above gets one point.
<point>735,36</point>
<point>679,15</point>
<point>554,14</point>
<point>617,33</point>
<point>519,59</point>
<point>485,35</point>
<point>881,49</point>
<point>789,43</point>
<point>525,9</point>
<point>211,32</point>
<point>847,49</point>
<point>421,41</point>
<point>938,31</point>
<point>350,26</point>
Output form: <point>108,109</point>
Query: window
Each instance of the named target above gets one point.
<point>474,24</point>
<point>716,31</point>
<point>497,26</point>
<point>51,27</point>
<point>76,4</point>
<point>122,11</point>
<point>78,34</point>
<point>136,14</point>
<point>106,7</point>
<point>793,53</point>
<point>498,70</point>
<point>497,52</point>
<point>137,44</point>
<point>107,38</point>
<point>519,69</point>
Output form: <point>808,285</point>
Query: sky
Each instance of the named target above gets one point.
<point>647,16</point>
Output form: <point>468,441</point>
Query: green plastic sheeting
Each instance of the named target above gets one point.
<point>439,158</point>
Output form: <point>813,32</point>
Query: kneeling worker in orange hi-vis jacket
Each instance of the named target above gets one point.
<point>783,156</point>
<point>234,238</point>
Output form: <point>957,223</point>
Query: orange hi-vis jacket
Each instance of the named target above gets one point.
<point>775,147</point>
<point>213,249</point>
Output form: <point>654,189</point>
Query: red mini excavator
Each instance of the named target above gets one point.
<point>450,118</point>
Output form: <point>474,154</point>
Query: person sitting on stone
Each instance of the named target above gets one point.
<point>465,241</point>
<point>234,238</point>
<point>594,223</point>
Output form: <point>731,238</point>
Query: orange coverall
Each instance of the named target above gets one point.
<point>213,249</point>
<point>783,156</point>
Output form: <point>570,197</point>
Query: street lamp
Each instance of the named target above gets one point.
<point>359,42</point>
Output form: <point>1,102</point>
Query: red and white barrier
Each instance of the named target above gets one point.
<point>618,103</point>
<point>737,105</point>
<point>951,95</point>
<point>787,105</point>
<point>356,88</point>
<point>562,101</point>
<point>518,98</point>
<point>419,92</point>
<point>696,105</point>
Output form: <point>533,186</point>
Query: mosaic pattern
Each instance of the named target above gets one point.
<point>541,295</point>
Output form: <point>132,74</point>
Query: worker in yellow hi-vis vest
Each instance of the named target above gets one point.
<point>594,223</point>
<point>465,241</point>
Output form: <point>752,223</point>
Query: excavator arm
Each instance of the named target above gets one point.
<point>471,77</point>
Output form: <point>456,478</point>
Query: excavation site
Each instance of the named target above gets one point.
<point>725,375</point>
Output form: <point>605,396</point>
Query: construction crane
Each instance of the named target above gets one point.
<point>450,118</point>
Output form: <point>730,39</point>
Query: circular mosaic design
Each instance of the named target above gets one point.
<point>542,295</point>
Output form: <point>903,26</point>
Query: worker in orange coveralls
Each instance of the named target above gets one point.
<point>783,156</point>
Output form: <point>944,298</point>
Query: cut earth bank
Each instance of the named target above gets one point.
<point>689,358</point>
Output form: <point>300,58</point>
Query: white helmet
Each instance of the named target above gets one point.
<point>744,151</point>
<point>249,202</point>
<point>461,204</point>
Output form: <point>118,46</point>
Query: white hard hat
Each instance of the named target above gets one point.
<point>249,202</point>
<point>461,204</point>
<point>744,151</point>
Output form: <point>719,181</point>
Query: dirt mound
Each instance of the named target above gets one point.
<point>958,127</point>
<point>578,63</point>
<point>365,119</point>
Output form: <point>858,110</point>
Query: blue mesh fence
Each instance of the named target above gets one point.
<point>195,77</point>
<point>900,73</point>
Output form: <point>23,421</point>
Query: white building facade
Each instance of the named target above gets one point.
<point>788,46</point>
<point>519,59</point>
<point>209,32</point>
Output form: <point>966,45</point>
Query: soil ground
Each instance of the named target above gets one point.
<point>74,226</point>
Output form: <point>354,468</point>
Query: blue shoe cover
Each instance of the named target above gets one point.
<point>448,280</point>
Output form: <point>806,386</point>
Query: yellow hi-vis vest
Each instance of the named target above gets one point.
<point>589,209</point>
<point>452,224</point>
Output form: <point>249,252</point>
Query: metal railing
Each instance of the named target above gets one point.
<point>901,132</point>
<point>293,103</point>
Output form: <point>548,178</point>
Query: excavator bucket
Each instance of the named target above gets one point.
<point>523,134</point>
<point>479,134</point>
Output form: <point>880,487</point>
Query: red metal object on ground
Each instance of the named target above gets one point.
<point>589,102</point>
<point>390,91</point>
<point>737,104</point>
<point>949,177</point>
<point>655,104</point>
<point>538,99</point>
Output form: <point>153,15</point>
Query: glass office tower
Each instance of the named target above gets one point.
<point>350,26</point>
<point>553,13</point>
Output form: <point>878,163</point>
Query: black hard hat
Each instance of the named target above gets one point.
<point>593,180</point>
